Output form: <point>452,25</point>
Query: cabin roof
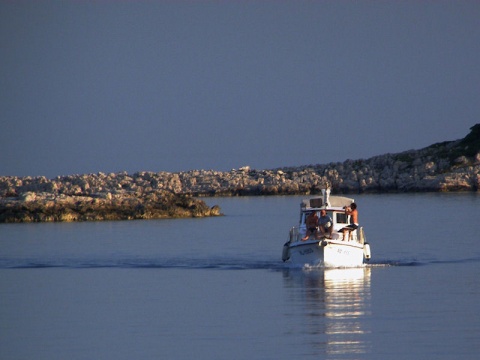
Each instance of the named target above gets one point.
<point>335,202</point>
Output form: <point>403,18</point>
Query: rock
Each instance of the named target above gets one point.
<point>215,210</point>
<point>447,166</point>
<point>461,160</point>
<point>40,207</point>
<point>476,182</point>
<point>28,196</point>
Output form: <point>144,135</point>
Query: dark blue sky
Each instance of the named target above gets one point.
<point>90,86</point>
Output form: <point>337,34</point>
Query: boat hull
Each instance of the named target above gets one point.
<point>328,253</point>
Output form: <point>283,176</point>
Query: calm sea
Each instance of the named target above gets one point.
<point>216,288</point>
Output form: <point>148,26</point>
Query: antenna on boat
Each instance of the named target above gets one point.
<point>326,196</point>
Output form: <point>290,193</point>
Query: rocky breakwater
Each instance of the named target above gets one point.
<point>441,167</point>
<point>94,197</point>
<point>446,166</point>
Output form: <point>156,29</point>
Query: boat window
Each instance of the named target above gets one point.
<point>341,218</point>
<point>316,202</point>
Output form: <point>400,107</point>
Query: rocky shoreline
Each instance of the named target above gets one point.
<point>447,166</point>
<point>51,207</point>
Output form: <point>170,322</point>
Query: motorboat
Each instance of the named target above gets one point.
<point>329,251</point>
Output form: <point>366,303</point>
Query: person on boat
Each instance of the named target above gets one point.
<point>312,225</point>
<point>352,211</point>
<point>325,224</point>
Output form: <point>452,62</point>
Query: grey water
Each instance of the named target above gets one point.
<point>216,288</point>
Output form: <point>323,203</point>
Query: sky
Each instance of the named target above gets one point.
<point>110,86</point>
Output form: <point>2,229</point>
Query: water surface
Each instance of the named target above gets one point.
<point>216,288</point>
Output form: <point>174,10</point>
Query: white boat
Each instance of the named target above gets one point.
<point>324,251</point>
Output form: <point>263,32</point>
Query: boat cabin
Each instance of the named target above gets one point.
<point>335,207</point>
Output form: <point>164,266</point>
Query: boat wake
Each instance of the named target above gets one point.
<point>137,263</point>
<point>227,263</point>
<point>422,262</point>
<point>394,263</point>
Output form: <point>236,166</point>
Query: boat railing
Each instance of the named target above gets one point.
<point>361,236</point>
<point>294,234</point>
<point>358,235</point>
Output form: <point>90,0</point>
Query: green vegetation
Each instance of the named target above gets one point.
<point>471,142</point>
<point>469,146</point>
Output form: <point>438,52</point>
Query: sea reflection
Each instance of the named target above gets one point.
<point>335,304</point>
